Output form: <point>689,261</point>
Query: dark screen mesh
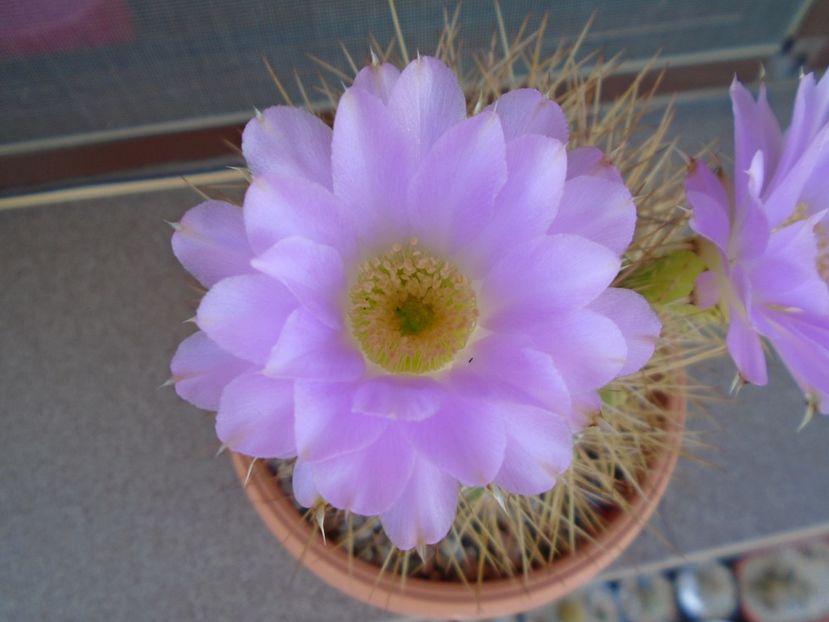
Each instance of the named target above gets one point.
<point>78,66</point>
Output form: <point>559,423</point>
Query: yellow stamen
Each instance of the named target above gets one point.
<point>802,212</point>
<point>822,234</point>
<point>410,311</point>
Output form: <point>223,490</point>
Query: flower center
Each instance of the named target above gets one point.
<point>410,311</point>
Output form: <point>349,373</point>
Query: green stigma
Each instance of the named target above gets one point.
<point>414,315</point>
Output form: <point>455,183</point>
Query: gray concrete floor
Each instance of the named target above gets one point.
<point>113,506</point>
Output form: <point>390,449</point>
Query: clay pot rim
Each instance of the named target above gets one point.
<point>449,599</point>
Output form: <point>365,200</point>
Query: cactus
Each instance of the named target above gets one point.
<point>497,534</point>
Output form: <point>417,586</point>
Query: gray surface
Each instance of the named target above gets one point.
<point>113,506</point>
<point>762,477</point>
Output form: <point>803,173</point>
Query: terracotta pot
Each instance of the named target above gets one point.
<point>454,600</point>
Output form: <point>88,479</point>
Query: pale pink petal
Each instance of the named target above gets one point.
<point>379,80</point>
<point>278,207</point>
<point>399,397</point>
<point>588,349</point>
<point>373,162</point>
<point>201,370</point>
<point>288,141</point>
<point>370,480</point>
<point>815,195</point>
<point>802,340</point>
<point>244,315</point>
<point>745,348</point>
<point>513,371</point>
<point>453,192</point>
<point>755,174</point>
<point>313,272</point>
<point>552,273</point>
<point>527,111</point>
<point>426,101</point>
<point>809,116</point>
<point>325,426</point>
<point>755,129</point>
<point>811,113</point>
<point>256,417</point>
<point>706,290</point>
<point>639,324</point>
<point>528,201</point>
<point>575,408</point>
<point>786,274</point>
<point>210,242</point>
<point>307,348</point>
<point>591,161</point>
<point>586,405</point>
<point>539,449</point>
<point>783,198</point>
<point>709,202</point>
<point>305,491</point>
<point>425,511</point>
<point>465,438</point>
<point>599,210</point>
<point>750,231</point>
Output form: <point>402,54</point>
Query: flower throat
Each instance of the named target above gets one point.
<point>410,311</point>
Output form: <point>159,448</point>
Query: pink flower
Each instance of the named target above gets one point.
<point>413,301</point>
<point>760,241</point>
